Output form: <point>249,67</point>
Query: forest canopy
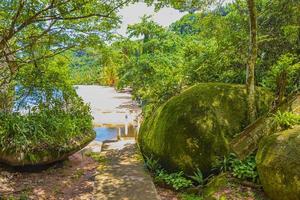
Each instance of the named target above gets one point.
<point>210,43</point>
<point>205,46</point>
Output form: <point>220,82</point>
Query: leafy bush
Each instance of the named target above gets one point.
<point>225,164</point>
<point>57,124</point>
<point>47,116</point>
<point>198,177</point>
<point>151,164</point>
<point>242,169</point>
<point>284,76</point>
<point>174,180</point>
<point>286,120</point>
<point>245,169</point>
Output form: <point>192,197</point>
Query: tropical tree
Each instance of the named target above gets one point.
<point>250,80</point>
<point>36,30</point>
<point>153,62</point>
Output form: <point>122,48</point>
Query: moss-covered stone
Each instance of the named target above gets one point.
<point>226,187</point>
<point>192,130</point>
<point>45,154</point>
<point>215,185</point>
<point>278,165</point>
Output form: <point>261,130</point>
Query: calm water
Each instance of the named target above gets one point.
<point>115,133</point>
<point>104,133</point>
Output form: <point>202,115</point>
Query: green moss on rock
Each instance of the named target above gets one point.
<point>278,165</point>
<point>215,185</point>
<point>45,154</point>
<point>193,129</point>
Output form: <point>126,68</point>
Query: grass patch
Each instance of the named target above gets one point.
<point>96,157</point>
<point>78,174</point>
<point>186,196</point>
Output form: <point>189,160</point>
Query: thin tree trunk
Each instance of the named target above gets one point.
<point>250,81</point>
<point>247,141</point>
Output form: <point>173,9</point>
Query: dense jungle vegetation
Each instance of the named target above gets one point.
<point>248,51</point>
<point>208,44</point>
<point>211,46</point>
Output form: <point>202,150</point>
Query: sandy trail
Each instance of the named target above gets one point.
<point>107,105</point>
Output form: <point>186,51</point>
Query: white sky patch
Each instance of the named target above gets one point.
<point>132,14</point>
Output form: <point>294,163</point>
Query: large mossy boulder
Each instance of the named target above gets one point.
<point>278,164</point>
<point>193,130</point>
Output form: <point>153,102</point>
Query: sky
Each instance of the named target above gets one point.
<point>132,14</point>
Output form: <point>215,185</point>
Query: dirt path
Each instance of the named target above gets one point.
<point>71,179</point>
<point>116,173</point>
<point>123,176</point>
<point>120,173</point>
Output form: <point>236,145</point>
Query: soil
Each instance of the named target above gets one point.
<point>71,179</point>
<point>167,194</point>
<point>234,191</point>
<point>116,173</point>
<point>123,176</point>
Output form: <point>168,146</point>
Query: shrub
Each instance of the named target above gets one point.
<point>242,169</point>
<point>198,177</point>
<point>286,120</point>
<point>58,126</point>
<point>245,169</point>
<point>175,180</point>
<point>151,164</point>
<point>283,77</point>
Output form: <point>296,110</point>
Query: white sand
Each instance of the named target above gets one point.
<point>109,106</point>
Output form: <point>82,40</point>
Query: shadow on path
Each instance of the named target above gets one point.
<point>123,176</point>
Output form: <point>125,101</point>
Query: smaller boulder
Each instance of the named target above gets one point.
<point>46,154</point>
<point>224,186</point>
<point>278,164</point>
<point>215,186</point>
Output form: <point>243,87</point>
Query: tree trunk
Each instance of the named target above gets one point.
<point>247,141</point>
<point>250,81</point>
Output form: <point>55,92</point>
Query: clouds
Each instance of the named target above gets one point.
<point>132,14</point>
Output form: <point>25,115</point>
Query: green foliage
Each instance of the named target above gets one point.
<point>49,127</point>
<point>96,156</point>
<point>47,114</point>
<point>154,62</point>
<point>284,75</point>
<point>152,164</point>
<point>198,177</point>
<point>245,169</point>
<point>98,64</point>
<point>186,196</point>
<point>242,169</point>
<point>33,31</point>
<point>175,180</point>
<point>286,120</point>
<point>225,163</point>
<point>85,66</point>
<point>209,46</point>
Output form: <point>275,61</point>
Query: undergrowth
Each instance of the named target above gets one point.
<point>286,120</point>
<point>57,126</point>
<point>242,169</point>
